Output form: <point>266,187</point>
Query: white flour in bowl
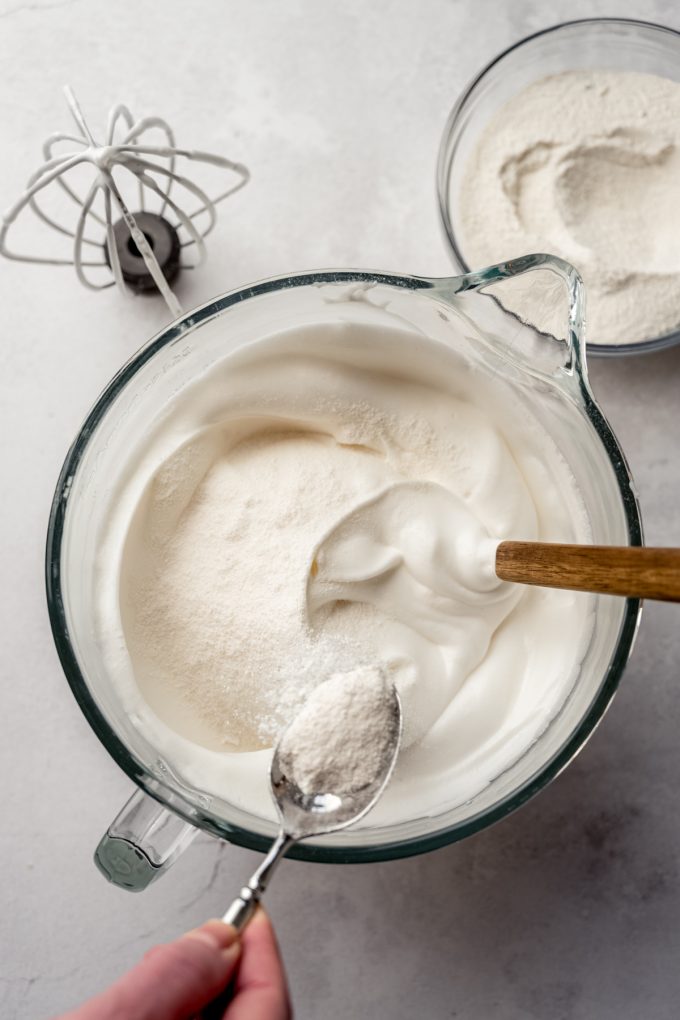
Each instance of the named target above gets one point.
<point>585,165</point>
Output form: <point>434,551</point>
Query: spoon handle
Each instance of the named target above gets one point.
<point>243,907</point>
<point>634,571</point>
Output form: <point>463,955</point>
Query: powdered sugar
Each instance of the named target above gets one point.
<point>341,739</point>
<point>585,165</point>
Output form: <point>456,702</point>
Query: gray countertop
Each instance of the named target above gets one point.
<point>567,910</point>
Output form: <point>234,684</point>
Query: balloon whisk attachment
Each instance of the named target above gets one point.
<point>137,165</point>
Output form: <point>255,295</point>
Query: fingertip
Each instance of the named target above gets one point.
<point>262,920</point>
<point>260,916</point>
<point>215,933</point>
<point>260,930</point>
<point>261,989</point>
<point>260,944</point>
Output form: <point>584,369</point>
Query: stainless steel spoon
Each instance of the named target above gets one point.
<point>303,815</point>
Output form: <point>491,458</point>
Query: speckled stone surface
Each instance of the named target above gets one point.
<point>569,909</point>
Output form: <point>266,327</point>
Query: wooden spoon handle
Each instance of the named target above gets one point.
<point>612,570</point>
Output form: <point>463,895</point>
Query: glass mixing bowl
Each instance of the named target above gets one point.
<point>550,376</point>
<point>613,44</point>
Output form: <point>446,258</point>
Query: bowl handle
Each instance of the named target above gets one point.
<point>574,362</point>
<point>141,843</point>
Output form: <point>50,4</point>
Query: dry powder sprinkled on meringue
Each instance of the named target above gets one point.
<point>327,496</point>
<point>584,165</point>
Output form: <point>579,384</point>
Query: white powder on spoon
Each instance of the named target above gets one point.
<point>585,165</point>
<point>339,741</point>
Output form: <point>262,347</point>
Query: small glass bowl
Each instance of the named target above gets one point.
<point>612,44</point>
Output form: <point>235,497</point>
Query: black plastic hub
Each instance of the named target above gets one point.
<point>164,241</point>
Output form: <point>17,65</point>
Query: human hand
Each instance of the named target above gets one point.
<point>209,969</point>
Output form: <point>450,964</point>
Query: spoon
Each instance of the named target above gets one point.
<point>382,538</point>
<point>302,815</point>
<point>635,571</point>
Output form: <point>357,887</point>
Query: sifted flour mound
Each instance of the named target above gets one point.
<point>585,165</point>
<point>217,614</point>
<point>338,742</point>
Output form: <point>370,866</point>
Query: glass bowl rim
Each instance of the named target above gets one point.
<point>189,811</point>
<point>444,165</point>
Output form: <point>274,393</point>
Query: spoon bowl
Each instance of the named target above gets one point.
<point>325,811</point>
<point>319,813</point>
